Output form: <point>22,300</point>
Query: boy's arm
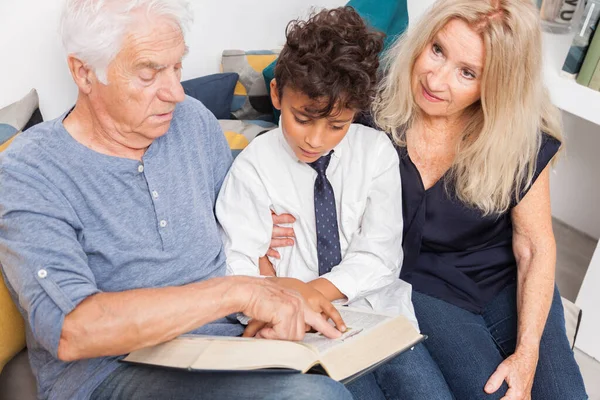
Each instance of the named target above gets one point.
<point>374,256</point>
<point>243,212</point>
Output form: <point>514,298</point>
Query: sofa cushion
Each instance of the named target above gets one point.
<point>251,97</point>
<point>17,380</point>
<point>240,133</point>
<point>12,327</point>
<point>214,91</point>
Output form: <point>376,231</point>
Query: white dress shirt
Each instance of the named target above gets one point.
<point>364,174</point>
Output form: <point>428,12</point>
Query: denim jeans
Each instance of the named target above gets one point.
<point>136,382</point>
<point>469,347</point>
<point>413,375</point>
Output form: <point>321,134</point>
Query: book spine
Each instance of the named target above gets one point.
<point>581,41</point>
<point>590,62</point>
<point>595,81</point>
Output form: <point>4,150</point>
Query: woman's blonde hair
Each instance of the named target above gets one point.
<point>497,158</point>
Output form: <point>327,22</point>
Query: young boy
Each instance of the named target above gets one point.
<point>340,181</point>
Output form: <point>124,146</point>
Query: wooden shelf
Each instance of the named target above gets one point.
<point>566,94</point>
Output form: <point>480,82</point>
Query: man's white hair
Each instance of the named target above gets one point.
<point>93,30</point>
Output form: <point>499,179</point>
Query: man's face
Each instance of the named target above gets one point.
<point>308,136</point>
<point>143,82</point>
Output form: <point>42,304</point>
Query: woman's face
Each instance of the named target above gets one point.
<point>446,76</point>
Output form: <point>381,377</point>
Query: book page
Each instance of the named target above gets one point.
<point>178,353</point>
<point>249,354</point>
<point>370,346</point>
<point>358,323</point>
<point>199,352</point>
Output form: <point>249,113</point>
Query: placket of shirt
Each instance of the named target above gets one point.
<point>157,192</point>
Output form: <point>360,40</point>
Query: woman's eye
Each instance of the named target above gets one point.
<point>468,74</point>
<point>436,49</point>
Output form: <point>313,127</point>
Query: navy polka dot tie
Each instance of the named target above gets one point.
<point>328,237</point>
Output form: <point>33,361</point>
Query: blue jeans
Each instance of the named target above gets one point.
<point>469,347</point>
<point>135,382</point>
<point>413,375</point>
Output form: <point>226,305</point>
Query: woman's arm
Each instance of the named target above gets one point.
<point>535,251</point>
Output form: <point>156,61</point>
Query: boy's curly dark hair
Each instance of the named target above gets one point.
<point>332,57</point>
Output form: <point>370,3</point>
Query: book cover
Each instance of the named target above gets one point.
<point>590,62</point>
<point>371,339</point>
<point>595,81</point>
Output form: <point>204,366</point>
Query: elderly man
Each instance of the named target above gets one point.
<point>108,239</point>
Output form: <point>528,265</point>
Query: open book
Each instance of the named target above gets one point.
<point>371,339</point>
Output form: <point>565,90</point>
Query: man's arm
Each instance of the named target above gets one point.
<point>108,324</point>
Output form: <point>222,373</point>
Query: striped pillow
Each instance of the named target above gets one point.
<point>251,99</point>
<point>17,117</point>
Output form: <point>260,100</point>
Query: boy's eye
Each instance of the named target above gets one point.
<point>301,121</point>
<point>337,128</point>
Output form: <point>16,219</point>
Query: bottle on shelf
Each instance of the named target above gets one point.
<point>558,15</point>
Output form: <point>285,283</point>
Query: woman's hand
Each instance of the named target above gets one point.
<point>281,237</point>
<point>518,371</point>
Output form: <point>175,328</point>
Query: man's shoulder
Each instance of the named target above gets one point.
<point>191,110</point>
<point>32,146</point>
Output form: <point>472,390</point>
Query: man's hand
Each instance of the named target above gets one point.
<point>284,311</point>
<point>518,371</point>
<point>281,237</point>
<point>315,299</point>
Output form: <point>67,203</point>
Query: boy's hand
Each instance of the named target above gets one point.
<point>281,237</point>
<point>315,299</point>
<point>287,314</point>
<point>265,267</point>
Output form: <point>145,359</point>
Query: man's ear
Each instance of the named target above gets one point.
<point>82,74</point>
<point>275,95</point>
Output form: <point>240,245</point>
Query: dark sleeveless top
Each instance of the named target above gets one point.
<point>451,251</point>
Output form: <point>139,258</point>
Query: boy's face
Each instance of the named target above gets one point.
<point>308,136</point>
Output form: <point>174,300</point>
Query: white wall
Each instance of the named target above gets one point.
<point>588,299</point>
<point>575,182</point>
<point>32,54</point>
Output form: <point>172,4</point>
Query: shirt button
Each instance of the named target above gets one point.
<point>163,223</point>
<point>155,194</point>
<point>42,273</point>
<point>140,168</point>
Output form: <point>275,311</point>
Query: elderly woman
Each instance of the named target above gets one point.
<point>475,134</point>
<point>464,101</point>
<point>108,241</point>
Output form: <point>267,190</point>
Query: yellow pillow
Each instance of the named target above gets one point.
<point>12,326</point>
<point>9,141</point>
